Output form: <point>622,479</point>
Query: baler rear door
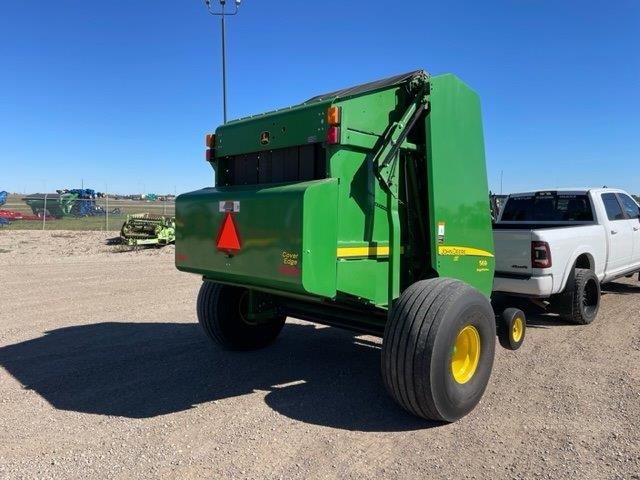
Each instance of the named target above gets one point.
<point>277,236</point>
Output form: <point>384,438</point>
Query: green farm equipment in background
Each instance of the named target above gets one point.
<point>55,205</point>
<point>146,229</point>
<point>77,202</point>
<point>365,208</point>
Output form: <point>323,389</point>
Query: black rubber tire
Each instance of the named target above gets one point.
<point>585,298</point>
<point>505,329</point>
<point>220,316</point>
<point>418,347</point>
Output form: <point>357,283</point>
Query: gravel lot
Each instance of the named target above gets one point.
<point>104,374</point>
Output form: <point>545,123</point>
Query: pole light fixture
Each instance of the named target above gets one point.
<point>222,13</point>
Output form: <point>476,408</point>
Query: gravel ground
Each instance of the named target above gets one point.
<point>105,374</point>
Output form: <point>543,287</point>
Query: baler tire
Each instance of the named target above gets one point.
<point>585,298</point>
<point>220,316</point>
<point>512,327</point>
<point>420,346</point>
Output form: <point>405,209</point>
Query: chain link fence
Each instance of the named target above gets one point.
<point>63,211</point>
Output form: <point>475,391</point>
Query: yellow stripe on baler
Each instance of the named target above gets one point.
<point>383,251</point>
<point>370,251</point>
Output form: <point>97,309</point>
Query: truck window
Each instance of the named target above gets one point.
<point>548,207</point>
<point>630,206</point>
<point>612,206</point>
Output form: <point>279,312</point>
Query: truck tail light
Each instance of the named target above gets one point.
<point>333,135</point>
<point>540,255</point>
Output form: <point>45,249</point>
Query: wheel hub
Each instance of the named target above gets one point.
<point>517,330</point>
<point>466,354</point>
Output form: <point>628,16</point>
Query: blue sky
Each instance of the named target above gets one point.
<point>120,93</point>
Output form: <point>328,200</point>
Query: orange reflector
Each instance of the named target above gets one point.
<point>228,240</point>
<point>210,140</point>
<point>333,115</point>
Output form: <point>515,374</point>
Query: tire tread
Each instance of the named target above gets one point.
<point>223,328</point>
<point>582,275</point>
<point>409,336</point>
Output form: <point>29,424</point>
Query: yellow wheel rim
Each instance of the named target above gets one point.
<point>517,330</point>
<point>466,354</point>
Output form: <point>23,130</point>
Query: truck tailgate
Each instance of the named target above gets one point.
<point>513,251</point>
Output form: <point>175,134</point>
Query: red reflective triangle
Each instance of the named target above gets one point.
<point>228,240</point>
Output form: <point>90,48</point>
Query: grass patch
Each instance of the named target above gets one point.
<point>86,223</point>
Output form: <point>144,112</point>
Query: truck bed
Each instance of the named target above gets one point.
<point>513,244</point>
<point>513,255</point>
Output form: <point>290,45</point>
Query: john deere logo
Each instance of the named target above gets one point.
<point>265,138</point>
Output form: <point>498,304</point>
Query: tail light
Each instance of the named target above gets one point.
<point>210,142</point>
<point>540,255</point>
<point>333,135</point>
<point>333,120</point>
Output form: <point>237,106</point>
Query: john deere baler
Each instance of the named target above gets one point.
<point>365,208</point>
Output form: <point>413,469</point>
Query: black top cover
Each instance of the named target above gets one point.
<point>366,87</point>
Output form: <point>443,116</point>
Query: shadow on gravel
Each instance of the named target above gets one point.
<point>323,376</point>
<point>537,318</point>
<point>620,288</point>
<point>548,320</point>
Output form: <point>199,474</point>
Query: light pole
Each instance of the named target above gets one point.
<point>223,14</point>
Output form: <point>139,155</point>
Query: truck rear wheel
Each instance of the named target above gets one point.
<point>585,301</point>
<point>223,315</point>
<point>438,349</point>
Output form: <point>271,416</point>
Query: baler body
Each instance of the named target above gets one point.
<point>321,221</point>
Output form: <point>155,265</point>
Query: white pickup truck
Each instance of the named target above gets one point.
<point>560,245</point>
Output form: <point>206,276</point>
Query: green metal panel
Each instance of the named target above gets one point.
<point>285,128</point>
<point>361,202</point>
<point>287,233</point>
<point>362,220</point>
<point>458,196</point>
<point>319,237</point>
<point>365,279</point>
